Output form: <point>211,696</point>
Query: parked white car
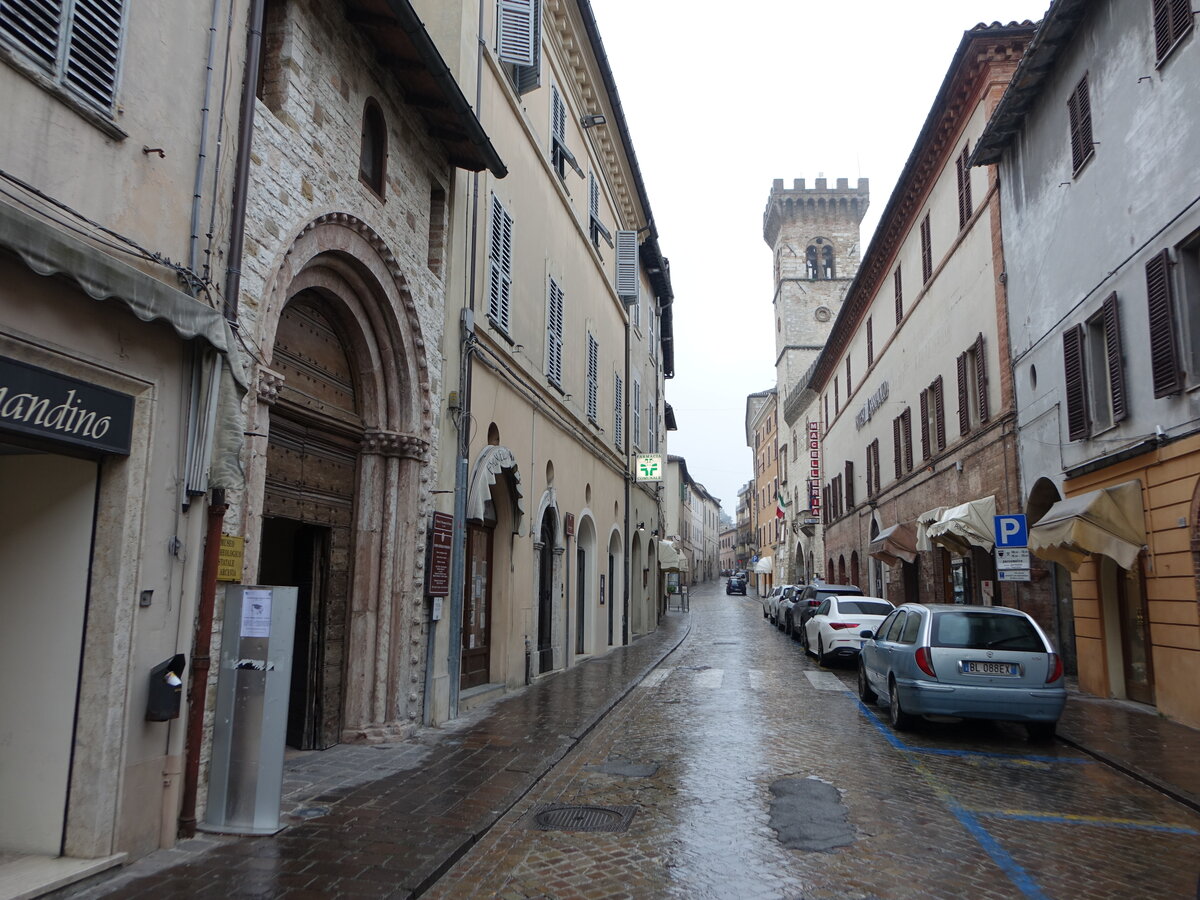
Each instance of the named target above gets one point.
<point>834,631</point>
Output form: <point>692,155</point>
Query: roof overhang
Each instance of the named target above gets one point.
<point>404,48</point>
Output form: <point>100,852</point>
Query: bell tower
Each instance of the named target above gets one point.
<point>813,234</point>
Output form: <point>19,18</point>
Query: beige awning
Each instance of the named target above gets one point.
<point>1109,521</point>
<point>895,545</point>
<point>970,524</point>
<point>924,520</point>
<point>668,557</point>
<point>764,566</point>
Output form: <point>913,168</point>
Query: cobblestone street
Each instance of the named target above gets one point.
<point>951,810</point>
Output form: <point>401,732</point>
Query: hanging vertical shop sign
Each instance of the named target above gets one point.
<point>814,467</point>
<point>437,573</point>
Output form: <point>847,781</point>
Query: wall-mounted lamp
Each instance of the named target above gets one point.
<point>641,526</point>
<point>654,533</point>
<point>593,120</point>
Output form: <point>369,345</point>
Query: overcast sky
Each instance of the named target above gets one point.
<point>722,101</point>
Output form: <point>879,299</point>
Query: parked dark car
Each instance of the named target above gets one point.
<point>973,662</point>
<point>802,605</point>
<point>736,585</point>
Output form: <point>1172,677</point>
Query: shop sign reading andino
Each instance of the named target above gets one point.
<point>45,404</point>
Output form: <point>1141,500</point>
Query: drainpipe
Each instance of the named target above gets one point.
<point>241,177</point>
<point>625,417</point>
<point>202,157</point>
<point>201,663</point>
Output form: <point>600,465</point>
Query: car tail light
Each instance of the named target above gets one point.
<point>838,626</point>
<point>1055,668</point>
<point>925,662</point>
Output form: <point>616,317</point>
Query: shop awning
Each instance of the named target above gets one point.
<point>668,557</point>
<point>764,566</point>
<point>1109,521</point>
<point>970,524</point>
<point>924,520</point>
<point>895,545</point>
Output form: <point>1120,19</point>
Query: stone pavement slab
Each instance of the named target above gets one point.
<point>388,820</point>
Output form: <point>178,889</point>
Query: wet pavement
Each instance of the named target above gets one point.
<point>735,768</point>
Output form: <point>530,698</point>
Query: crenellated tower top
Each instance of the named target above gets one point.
<point>819,205</point>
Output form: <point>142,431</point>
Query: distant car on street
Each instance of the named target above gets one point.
<point>804,603</point>
<point>735,585</point>
<point>835,628</point>
<point>772,601</point>
<point>973,662</point>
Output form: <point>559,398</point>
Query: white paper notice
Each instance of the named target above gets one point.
<point>256,614</point>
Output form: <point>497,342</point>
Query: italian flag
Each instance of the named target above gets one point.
<point>782,504</point>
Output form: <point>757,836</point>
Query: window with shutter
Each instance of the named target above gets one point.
<point>906,427</point>
<point>849,484</point>
<point>926,250</point>
<point>1078,426</point>
<point>76,43</point>
<point>964,395</point>
<point>965,206</point>
<point>837,398</point>
<point>1114,363</point>
<point>939,413</point>
<point>618,412</point>
<point>870,474</point>
<point>500,266</point>
<point>875,462</point>
<point>898,286</point>
<point>1187,306</point>
<point>519,42</point>
<point>372,158</point>
<point>636,409</point>
<point>870,343</point>
<point>849,381</point>
<point>628,285</point>
<point>554,333</point>
<point>925,411</point>
<point>981,381</point>
<point>1079,116</point>
<point>897,448</point>
<point>1165,365</point>
<point>593,378</point>
<point>1172,20</point>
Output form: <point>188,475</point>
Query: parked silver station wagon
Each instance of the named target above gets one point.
<point>973,662</point>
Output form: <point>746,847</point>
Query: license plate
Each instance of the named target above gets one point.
<point>973,667</point>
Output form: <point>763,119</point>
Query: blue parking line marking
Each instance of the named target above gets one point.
<point>890,737</point>
<point>1088,820</point>
<point>999,855</point>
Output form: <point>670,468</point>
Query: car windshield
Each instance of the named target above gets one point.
<point>985,631</point>
<point>864,607</point>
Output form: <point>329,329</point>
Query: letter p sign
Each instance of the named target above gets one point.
<point>1011,531</point>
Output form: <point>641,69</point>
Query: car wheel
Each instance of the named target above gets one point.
<point>1041,732</point>
<point>822,659</point>
<point>804,638</point>
<point>865,694</point>
<point>901,721</point>
<point>791,628</point>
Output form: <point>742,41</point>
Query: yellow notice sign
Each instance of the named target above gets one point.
<point>233,551</point>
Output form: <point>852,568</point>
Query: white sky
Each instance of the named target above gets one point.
<point>722,101</point>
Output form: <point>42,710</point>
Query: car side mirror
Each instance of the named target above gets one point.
<point>866,633</point>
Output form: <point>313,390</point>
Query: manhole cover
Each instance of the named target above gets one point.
<point>583,818</point>
<point>311,812</point>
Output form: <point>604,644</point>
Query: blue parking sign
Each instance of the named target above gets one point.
<point>1011,531</point>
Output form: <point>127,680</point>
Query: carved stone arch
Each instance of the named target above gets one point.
<point>495,462</point>
<point>340,256</point>
<point>550,501</point>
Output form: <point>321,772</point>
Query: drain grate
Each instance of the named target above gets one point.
<point>582,818</point>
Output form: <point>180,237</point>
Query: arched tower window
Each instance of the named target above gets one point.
<point>372,159</point>
<point>810,262</point>
<point>827,262</point>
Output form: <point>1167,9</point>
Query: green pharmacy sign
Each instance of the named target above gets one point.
<point>649,467</point>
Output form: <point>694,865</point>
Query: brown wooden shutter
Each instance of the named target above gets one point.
<point>898,284</point>
<point>1116,369</point>
<point>906,418</point>
<point>1078,424</point>
<point>1160,304</point>
<point>849,484</point>
<point>964,410</point>
<point>875,452</point>
<point>1079,114</point>
<point>939,413</point>
<point>925,449</point>
<point>870,475</point>
<point>1172,19</point>
<point>926,249</point>
<point>870,343</point>
<point>825,501</point>
<point>981,382</point>
<point>896,441</point>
